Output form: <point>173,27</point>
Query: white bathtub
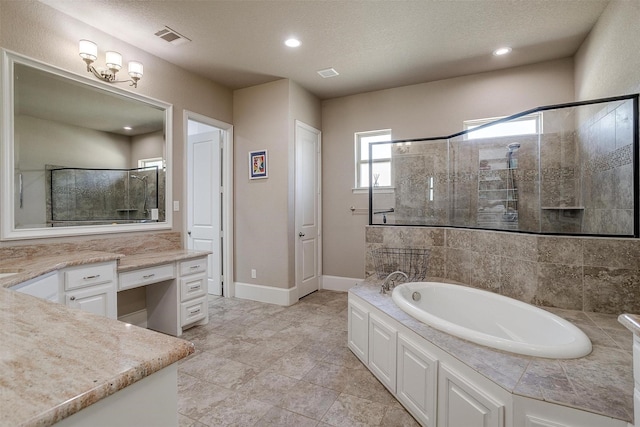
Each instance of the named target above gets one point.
<point>492,320</point>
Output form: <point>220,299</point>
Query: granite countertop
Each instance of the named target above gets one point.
<point>132,262</point>
<point>601,382</point>
<point>55,361</point>
<point>30,267</point>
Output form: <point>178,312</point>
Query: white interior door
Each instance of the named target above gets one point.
<point>204,197</point>
<point>307,208</point>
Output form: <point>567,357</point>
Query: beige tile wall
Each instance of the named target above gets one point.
<point>579,273</point>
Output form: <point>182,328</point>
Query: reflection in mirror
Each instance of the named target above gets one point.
<point>85,158</point>
<point>565,169</point>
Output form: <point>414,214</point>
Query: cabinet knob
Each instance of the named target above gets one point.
<point>72,298</point>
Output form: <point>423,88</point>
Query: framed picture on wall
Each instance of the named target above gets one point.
<point>258,164</point>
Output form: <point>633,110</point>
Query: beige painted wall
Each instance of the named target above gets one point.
<point>261,122</point>
<point>305,107</point>
<point>147,146</point>
<point>74,147</point>
<point>608,62</point>
<point>424,110</point>
<point>264,118</point>
<point>38,31</point>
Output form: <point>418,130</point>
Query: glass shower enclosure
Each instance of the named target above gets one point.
<point>563,169</point>
<point>79,196</point>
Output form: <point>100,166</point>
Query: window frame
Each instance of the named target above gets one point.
<point>144,163</point>
<point>471,125</point>
<point>358,136</point>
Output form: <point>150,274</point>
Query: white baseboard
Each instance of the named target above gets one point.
<point>138,318</point>
<point>267,294</point>
<point>336,283</point>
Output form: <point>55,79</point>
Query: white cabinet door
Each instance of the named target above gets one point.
<point>45,287</point>
<point>358,332</point>
<point>461,404</point>
<point>417,381</point>
<point>382,351</point>
<point>96,299</point>
<point>535,413</point>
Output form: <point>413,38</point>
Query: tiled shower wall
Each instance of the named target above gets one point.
<point>577,273</point>
<point>607,163</point>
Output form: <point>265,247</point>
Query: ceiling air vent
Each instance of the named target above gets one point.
<point>329,72</point>
<point>172,36</point>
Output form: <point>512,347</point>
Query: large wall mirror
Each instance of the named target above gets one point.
<point>80,156</point>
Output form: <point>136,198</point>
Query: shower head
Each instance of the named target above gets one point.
<point>513,146</point>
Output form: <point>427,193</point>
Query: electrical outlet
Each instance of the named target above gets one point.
<point>253,273</point>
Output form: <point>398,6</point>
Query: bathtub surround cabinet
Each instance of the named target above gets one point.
<point>447,382</point>
<point>632,322</point>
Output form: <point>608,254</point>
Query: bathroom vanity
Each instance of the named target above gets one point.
<point>176,288</point>
<point>75,368</point>
<point>66,358</point>
<point>175,283</point>
<point>445,381</point>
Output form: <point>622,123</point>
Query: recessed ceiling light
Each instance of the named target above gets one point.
<point>502,51</point>
<point>127,128</point>
<point>292,42</point>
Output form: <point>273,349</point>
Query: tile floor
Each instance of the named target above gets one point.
<point>259,364</point>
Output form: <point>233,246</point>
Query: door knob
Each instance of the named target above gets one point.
<point>189,232</point>
<point>301,234</point>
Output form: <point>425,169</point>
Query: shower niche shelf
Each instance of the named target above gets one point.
<point>562,208</point>
<point>497,194</point>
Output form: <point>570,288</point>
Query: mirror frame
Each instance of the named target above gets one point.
<point>7,175</point>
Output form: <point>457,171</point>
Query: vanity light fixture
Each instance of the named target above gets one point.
<point>88,51</point>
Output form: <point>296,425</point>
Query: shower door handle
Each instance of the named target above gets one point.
<point>301,234</point>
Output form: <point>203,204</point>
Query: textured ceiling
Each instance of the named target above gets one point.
<point>372,44</point>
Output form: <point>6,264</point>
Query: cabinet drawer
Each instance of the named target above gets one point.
<point>145,276</point>
<point>80,277</point>
<point>192,311</point>
<point>193,287</point>
<point>193,266</point>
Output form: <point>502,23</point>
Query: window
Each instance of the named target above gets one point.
<point>154,162</point>
<point>525,125</point>
<point>381,161</point>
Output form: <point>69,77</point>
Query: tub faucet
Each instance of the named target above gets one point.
<point>389,283</point>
